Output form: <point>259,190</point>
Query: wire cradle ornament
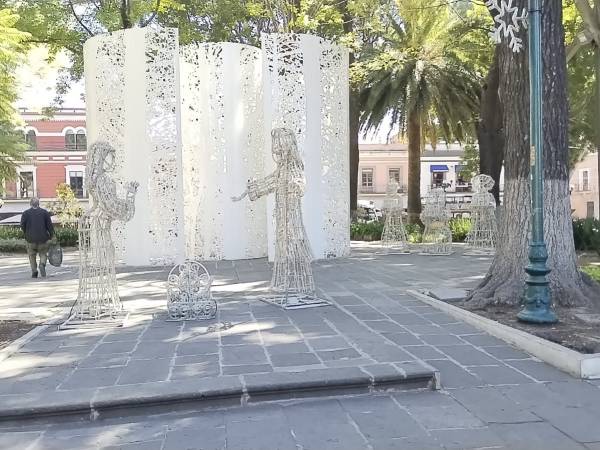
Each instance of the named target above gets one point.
<point>437,236</point>
<point>292,282</point>
<point>507,23</point>
<point>483,235</point>
<point>394,238</point>
<point>188,292</point>
<point>98,296</point>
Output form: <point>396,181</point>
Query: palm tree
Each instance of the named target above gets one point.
<point>416,77</point>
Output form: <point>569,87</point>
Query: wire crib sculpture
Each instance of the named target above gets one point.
<point>292,282</point>
<point>98,296</point>
<point>437,236</point>
<point>483,235</point>
<point>394,238</point>
<point>189,294</point>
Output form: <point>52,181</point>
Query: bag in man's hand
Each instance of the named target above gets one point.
<point>55,254</point>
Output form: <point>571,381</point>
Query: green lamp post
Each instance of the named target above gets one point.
<point>537,300</point>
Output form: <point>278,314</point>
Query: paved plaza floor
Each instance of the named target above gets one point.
<point>492,395</point>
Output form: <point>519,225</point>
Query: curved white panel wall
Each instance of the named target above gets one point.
<point>222,148</point>
<point>132,100</point>
<point>306,89</point>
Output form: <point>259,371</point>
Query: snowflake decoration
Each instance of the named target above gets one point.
<point>508,21</point>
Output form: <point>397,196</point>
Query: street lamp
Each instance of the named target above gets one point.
<point>537,300</point>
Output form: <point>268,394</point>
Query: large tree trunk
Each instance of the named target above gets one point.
<point>354,113</point>
<point>504,282</point>
<point>354,116</point>
<point>490,131</point>
<point>414,167</point>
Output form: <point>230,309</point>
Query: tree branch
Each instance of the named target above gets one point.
<point>589,18</point>
<point>152,16</point>
<point>78,19</point>
<point>581,40</point>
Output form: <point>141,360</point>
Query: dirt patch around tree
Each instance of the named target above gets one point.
<point>11,330</point>
<point>571,331</point>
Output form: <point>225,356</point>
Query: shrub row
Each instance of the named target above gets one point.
<point>372,231</point>
<point>12,237</point>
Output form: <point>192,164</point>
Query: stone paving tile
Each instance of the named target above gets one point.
<point>424,352</point>
<point>89,378</point>
<point>335,355</point>
<point>371,415</point>
<point>483,340</point>
<point>580,424</point>
<point>536,436</point>
<point>440,340</point>
<point>114,347</point>
<point>506,352</point>
<point>403,339</point>
<point>472,438</point>
<point>296,359</point>
<point>499,375</point>
<point>296,347</point>
<point>328,343</point>
<point>144,371</point>
<point>237,370</point>
<point>467,355</point>
<point>539,370</point>
<point>438,417</point>
<point>454,376</point>
<point>492,406</point>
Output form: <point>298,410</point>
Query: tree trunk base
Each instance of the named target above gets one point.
<point>507,288</point>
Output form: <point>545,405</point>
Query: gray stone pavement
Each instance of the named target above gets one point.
<point>493,396</point>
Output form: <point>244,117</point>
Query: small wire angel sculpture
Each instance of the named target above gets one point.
<point>394,238</point>
<point>292,280</point>
<point>437,237</point>
<point>98,295</point>
<point>484,229</point>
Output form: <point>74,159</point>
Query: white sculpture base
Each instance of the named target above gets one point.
<point>295,301</point>
<point>116,319</point>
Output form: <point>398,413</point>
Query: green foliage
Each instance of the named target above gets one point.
<point>416,68</point>
<point>460,228</point>
<point>371,231</point>
<point>586,233</point>
<point>10,232</point>
<point>414,232</point>
<point>66,207</point>
<point>593,271</point>
<point>13,246</point>
<point>66,236</point>
<point>12,147</point>
<point>470,162</point>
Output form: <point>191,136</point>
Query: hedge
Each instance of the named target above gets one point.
<point>12,239</point>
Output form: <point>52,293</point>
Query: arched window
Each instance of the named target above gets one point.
<point>81,141</point>
<point>31,139</point>
<point>76,141</point>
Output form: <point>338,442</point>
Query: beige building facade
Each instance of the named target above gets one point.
<point>583,185</point>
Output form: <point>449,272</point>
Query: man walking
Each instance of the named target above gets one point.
<point>38,230</point>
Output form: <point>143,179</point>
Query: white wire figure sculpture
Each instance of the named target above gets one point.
<point>393,238</point>
<point>188,292</point>
<point>98,295</point>
<point>292,282</point>
<point>484,228</point>
<point>437,237</point>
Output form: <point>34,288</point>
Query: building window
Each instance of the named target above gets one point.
<point>394,175</point>
<point>585,180</point>
<point>76,183</point>
<point>76,141</point>
<point>367,180</point>
<point>590,210</point>
<point>31,140</point>
<point>26,184</point>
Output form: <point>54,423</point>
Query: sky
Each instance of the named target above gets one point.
<point>37,82</point>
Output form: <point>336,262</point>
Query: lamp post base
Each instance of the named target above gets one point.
<point>541,315</point>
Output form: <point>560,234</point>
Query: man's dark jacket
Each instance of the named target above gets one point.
<point>37,226</point>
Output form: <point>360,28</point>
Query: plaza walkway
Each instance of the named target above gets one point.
<point>491,396</point>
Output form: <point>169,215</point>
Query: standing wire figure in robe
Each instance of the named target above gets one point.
<point>393,238</point>
<point>292,281</point>
<point>437,236</point>
<point>98,295</point>
<point>484,228</point>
